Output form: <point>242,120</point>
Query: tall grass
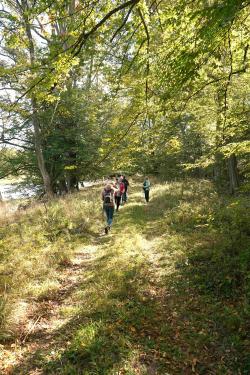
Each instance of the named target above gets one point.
<point>34,244</point>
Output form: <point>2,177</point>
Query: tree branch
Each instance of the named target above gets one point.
<point>4,141</point>
<point>243,70</point>
<point>77,46</point>
<point>123,23</point>
<point>117,141</point>
<point>39,34</point>
<point>76,49</point>
<point>17,139</point>
<point>148,42</point>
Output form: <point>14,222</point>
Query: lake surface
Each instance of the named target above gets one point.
<point>15,191</point>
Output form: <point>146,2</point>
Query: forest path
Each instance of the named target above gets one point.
<point>44,317</point>
<point>127,304</point>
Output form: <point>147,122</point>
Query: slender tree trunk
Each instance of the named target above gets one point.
<point>218,166</point>
<point>233,174</point>
<point>89,80</point>
<point>39,152</point>
<point>35,120</point>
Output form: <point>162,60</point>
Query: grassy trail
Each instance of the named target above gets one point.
<point>133,302</point>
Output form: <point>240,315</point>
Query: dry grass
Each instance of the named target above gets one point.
<point>35,243</point>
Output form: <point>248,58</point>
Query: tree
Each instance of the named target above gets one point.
<point>141,85</point>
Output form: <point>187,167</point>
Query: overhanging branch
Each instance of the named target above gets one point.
<point>123,23</point>
<point>148,42</point>
<point>77,46</point>
<point>84,36</point>
<point>4,141</point>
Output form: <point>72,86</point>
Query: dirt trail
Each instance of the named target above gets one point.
<point>38,330</point>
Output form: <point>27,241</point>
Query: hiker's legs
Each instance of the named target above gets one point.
<point>109,211</point>
<point>117,201</point>
<point>124,196</point>
<point>147,195</point>
<point>110,215</point>
<point>106,210</point>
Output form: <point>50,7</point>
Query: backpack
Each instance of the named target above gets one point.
<point>146,185</point>
<point>108,197</point>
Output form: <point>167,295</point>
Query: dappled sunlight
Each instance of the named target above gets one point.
<point>139,300</point>
<point>134,202</point>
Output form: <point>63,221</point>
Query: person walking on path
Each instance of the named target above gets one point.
<point>126,185</point>
<point>146,188</point>
<point>108,198</point>
<point>120,188</point>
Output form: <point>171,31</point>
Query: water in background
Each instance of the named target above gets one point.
<point>16,191</point>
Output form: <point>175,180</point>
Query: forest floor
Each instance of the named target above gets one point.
<point>145,299</point>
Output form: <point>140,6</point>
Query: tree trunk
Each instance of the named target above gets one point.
<point>35,121</point>
<point>39,152</point>
<point>234,181</point>
<point>89,79</point>
<point>218,165</point>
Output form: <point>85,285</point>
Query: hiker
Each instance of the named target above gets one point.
<point>120,188</point>
<point>108,197</point>
<point>146,188</point>
<point>125,194</point>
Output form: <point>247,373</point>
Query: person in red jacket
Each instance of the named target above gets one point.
<point>120,188</point>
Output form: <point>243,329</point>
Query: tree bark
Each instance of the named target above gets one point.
<point>218,166</point>
<point>234,180</point>
<point>39,152</point>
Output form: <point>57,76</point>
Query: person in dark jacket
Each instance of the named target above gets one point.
<point>146,188</point>
<point>120,188</point>
<point>126,185</point>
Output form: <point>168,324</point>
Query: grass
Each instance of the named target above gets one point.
<point>35,244</point>
<point>165,293</point>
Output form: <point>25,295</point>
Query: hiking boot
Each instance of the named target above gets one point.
<point>106,230</point>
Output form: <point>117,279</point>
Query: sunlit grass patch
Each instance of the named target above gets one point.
<point>70,310</point>
<point>17,315</point>
<point>43,289</point>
